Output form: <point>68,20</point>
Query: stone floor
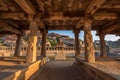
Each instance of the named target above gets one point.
<point>60,70</point>
<point>66,70</point>
<point>6,65</point>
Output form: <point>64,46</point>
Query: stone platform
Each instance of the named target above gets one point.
<point>60,57</point>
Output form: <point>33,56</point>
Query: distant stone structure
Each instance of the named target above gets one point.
<point>60,42</point>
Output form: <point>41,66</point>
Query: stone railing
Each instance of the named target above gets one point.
<point>8,51</point>
<point>24,72</point>
<point>114,50</point>
<point>7,48</point>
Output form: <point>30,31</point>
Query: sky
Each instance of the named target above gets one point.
<point>81,35</point>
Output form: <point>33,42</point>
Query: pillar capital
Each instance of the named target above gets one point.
<point>30,18</point>
<point>19,35</point>
<point>44,31</point>
<point>33,20</point>
<point>87,22</point>
<point>76,31</point>
<point>102,35</point>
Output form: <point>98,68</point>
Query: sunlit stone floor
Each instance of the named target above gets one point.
<point>60,70</point>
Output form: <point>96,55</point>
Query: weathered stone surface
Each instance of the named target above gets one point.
<point>77,43</point>
<point>31,52</point>
<point>43,50</point>
<point>103,51</point>
<point>61,14</point>
<point>23,72</point>
<point>89,48</point>
<point>18,45</point>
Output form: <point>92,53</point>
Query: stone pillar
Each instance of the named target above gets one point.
<point>18,45</point>
<point>89,48</point>
<point>103,51</point>
<point>32,47</point>
<point>43,49</point>
<point>77,42</point>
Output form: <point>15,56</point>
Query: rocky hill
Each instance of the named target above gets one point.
<point>53,38</point>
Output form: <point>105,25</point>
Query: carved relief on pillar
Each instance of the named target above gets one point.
<point>103,46</point>
<point>32,47</point>
<point>29,53</point>
<point>89,48</point>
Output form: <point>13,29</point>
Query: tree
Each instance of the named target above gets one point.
<point>53,43</point>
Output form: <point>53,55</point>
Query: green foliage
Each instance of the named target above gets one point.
<point>53,43</point>
<point>80,40</point>
<point>5,44</point>
<point>58,39</point>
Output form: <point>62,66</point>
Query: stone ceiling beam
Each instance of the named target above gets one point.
<point>10,29</point>
<point>110,29</point>
<point>41,24</point>
<point>5,27</point>
<point>3,6</point>
<point>14,16</point>
<point>107,25</point>
<point>13,23</point>
<point>96,16</point>
<point>93,6</point>
<point>105,16</point>
<point>27,6</point>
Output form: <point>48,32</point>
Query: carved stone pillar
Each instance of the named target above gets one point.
<point>43,49</point>
<point>32,47</point>
<point>103,51</point>
<point>18,45</point>
<point>89,48</point>
<point>77,43</point>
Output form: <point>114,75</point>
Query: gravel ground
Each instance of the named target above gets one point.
<point>108,66</point>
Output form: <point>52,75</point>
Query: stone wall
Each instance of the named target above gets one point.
<point>25,73</point>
